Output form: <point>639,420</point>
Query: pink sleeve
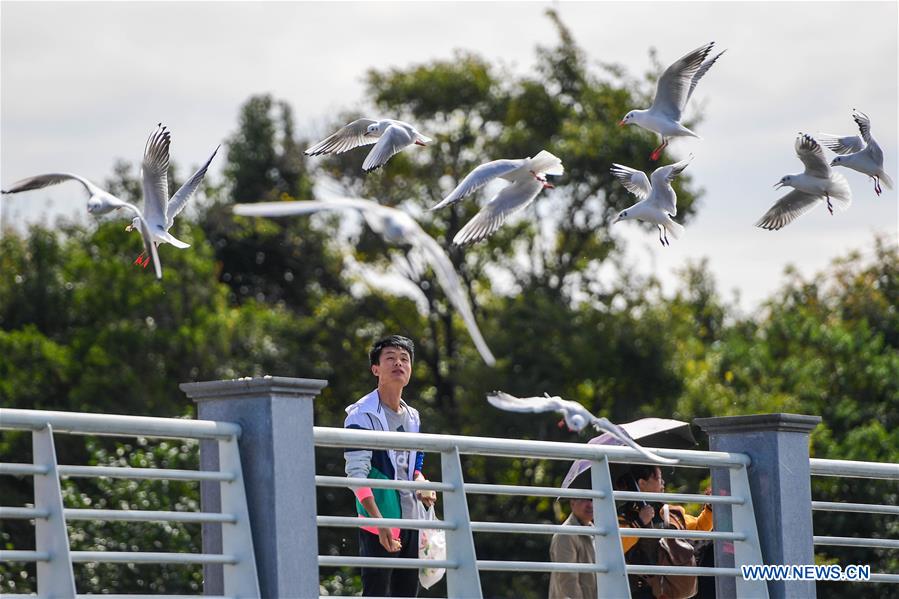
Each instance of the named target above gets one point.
<point>362,493</point>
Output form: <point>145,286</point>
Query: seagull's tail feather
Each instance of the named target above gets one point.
<point>676,229</point>
<point>885,179</point>
<point>547,163</point>
<point>167,237</point>
<point>840,191</point>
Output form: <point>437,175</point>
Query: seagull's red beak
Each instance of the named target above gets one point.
<point>621,123</point>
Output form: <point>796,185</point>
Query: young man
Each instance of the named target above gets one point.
<point>385,410</point>
<point>574,548</point>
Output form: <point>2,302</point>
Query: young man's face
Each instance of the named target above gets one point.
<point>653,484</point>
<point>394,366</point>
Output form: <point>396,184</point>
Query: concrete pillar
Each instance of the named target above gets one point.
<point>780,479</point>
<point>278,462</point>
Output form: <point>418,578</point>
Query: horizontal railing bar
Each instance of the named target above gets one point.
<point>377,483</point>
<point>854,469</point>
<point>151,557</point>
<point>24,556</point>
<point>856,542</point>
<point>660,533</point>
<point>144,473</point>
<point>20,468</point>
<point>354,522</point>
<point>105,596</point>
<point>890,578</point>
<point>865,508</point>
<point>677,498</point>
<point>682,570</point>
<point>116,425</point>
<point>521,527</point>
<point>488,489</point>
<point>497,565</point>
<point>22,513</point>
<point>384,562</point>
<point>345,437</point>
<point>147,516</point>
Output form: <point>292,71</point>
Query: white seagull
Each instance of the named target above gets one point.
<point>99,202</point>
<point>862,154</point>
<point>658,202</point>
<point>818,182</point>
<point>673,91</point>
<point>159,210</point>
<point>388,135</point>
<point>576,416</point>
<point>397,227</point>
<point>526,176</point>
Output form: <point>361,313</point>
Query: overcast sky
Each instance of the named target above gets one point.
<point>83,84</point>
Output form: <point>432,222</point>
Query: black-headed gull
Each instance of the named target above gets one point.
<point>397,227</point>
<point>526,176</point>
<point>159,210</point>
<point>673,91</point>
<point>576,416</point>
<point>388,135</point>
<point>862,154</point>
<point>818,182</point>
<point>99,202</point>
<point>658,202</point>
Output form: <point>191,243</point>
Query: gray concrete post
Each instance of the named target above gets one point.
<point>277,457</point>
<point>780,479</point>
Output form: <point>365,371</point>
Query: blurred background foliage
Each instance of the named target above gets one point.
<point>83,329</point>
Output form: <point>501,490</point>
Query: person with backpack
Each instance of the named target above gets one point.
<point>665,551</point>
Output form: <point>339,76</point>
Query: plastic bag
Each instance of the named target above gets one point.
<point>431,545</point>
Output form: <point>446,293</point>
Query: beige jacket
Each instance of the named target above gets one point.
<point>577,549</point>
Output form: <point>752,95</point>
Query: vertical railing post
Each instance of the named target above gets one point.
<point>609,553</point>
<point>278,456</point>
<point>55,577</point>
<point>463,581</point>
<point>780,482</point>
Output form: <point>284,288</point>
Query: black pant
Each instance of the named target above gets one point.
<point>389,582</point>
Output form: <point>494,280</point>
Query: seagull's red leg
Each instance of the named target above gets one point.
<point>140,259</point>
<point>658,151</point>
<point>877,188</point>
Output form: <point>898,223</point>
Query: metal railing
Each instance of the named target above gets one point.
<point>462,565</point>
<point>55,574</point>
<point>866,470</point>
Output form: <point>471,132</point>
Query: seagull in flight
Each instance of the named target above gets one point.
<point>160,210</point>
<point>99,202</point>
<point>818,182</point>
<point>388,135</point>
<point>658,202</point>
<point>862,154</point>
<point>673,91</point>
<point>526,176</point>
<point>396,227</point>
<point>576,417</point>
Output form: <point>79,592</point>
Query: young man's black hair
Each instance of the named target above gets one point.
<point>398,341</point>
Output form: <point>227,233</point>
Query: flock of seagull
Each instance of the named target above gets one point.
<point>526,178</point>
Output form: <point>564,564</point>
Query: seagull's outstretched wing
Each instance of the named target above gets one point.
<point>664,175</point>
<point>811,154</point>
<point>510,199</point>
<point>393,140</point>
<point>849,144</point>
<point>534,405</point>
<point>42,181</point>
<point>633,180</point>
<point>787,209</point>
<point>479,177</point>
<point>154,176</point>
<point>676,83</point>
<point>346,138</point>
<point>604,424</point>
<point>181,197</point>
<point>452,287</point>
